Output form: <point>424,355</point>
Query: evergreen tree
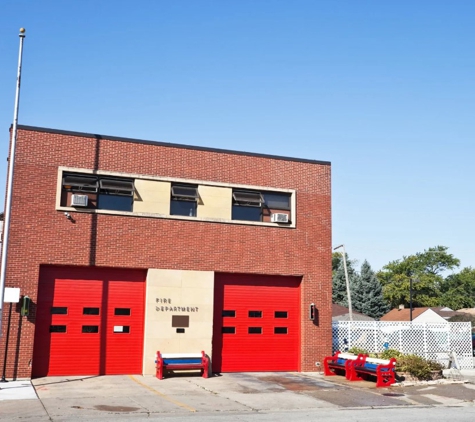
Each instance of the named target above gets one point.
<point>369,294</point>
<point>339,295</point>
<point>357,293</point>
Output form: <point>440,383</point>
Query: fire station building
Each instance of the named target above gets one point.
<point>126,247</point>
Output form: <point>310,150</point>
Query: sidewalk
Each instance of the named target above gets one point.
<point>17,390</point>
<point>104,397</point>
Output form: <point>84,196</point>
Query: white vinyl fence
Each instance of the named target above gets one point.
<point>431,340</point>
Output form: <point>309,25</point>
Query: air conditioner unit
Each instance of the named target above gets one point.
<point>79,200</point>
<point>279,218</point>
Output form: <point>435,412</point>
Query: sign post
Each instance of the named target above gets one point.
<point>11,295</point>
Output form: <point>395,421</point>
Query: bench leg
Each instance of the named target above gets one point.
<point>353,376</point>
<point>160,372</point>
<point>326,368</point>
<point>385,379</point>
<point>205,370</point>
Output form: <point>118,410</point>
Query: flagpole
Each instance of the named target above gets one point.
<point>11,162</point>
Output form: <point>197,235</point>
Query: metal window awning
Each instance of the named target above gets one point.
<point>117,185</point>
<point>189,192</point>
<point>88,182</point>
<point>254,198</point>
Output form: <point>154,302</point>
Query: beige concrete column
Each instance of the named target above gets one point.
<point>183,297</point>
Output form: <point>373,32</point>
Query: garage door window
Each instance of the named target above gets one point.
<point>59,310</point>
<point>90,311</point>
<point>57,328</point>
<point>90,329</point>
<point>255,314</point>
<point>254,330</point>
<point>229,330</point>
<point>280,330</point>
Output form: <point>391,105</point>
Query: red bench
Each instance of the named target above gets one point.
<point>182,361</point>
<point>383,369</point>
<point>339,362</point>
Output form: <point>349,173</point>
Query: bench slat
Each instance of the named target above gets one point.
<point>347,356</point>
<point>177,361</point>
<point>379,361</point>
<point>180,355</point>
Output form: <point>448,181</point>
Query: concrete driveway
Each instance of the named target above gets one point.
<point>93,398</point>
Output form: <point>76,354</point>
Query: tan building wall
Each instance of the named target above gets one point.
<point>176,293</point>
<point>215,202</point>
<point>152,196</point>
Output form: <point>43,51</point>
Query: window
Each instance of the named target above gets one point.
<point>277,201</point>
<point>122,311</point>
<point>103,192</point>
<point>228,330</point>
<point>57,328</point>
<point>280,314</point>
<point>254,330</point>
<point>255,314</point>
<point>184,200</point>
<point>59,310</point>
<point>245,213</point>
<point>247,206</point>
<point>259,206</point>
<point>227,313</point>
<point>115,194</point>
<point>280,330</point>
<point>90,311</point>
<point>90,329</point>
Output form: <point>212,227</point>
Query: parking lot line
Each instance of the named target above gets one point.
<point>164,396</point>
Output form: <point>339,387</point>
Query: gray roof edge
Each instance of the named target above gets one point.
<point>170,145</point>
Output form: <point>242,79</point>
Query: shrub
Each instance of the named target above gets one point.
<point>417,366</point>
<point>357,351</point>
<point>391,353</point>
<point>414,365</point>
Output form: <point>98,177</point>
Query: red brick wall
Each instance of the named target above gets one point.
<point>41,235</point>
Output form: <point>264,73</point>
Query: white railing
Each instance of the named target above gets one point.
<point>431,340</point>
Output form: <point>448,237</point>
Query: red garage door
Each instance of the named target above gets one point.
<point>256,323</point>
<point>90,321</point>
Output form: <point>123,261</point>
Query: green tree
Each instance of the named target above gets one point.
<point>458,290</point>
<point>368,293</point>
<point>426,271</point>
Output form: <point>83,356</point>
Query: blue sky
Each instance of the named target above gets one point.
<point>385,90</point>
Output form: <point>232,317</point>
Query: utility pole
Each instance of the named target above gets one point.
<point>347,281</point>
<point>11,163</point>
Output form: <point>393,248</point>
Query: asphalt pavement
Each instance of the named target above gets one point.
<point>134,397</point>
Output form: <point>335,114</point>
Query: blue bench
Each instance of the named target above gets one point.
<point>181,361</point>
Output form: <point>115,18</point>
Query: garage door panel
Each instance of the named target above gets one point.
<point>89,345</point>
<point>248,309</point>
